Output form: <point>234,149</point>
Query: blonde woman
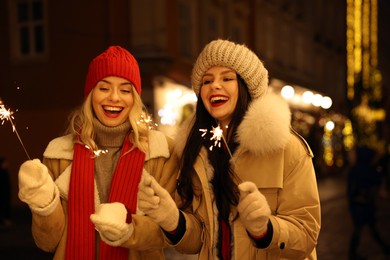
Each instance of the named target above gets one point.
<point>83,197</point>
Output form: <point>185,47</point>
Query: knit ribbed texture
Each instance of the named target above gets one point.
<point>111,138</point>
<point>124,189</point>
<point>235,56</point>
<point>81,231</point>
<point>115,61</point>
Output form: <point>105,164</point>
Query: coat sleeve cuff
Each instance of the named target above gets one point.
<point>265,240</point>
<point>177,235</point>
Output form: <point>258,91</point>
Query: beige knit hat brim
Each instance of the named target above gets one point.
<point>235,56</point>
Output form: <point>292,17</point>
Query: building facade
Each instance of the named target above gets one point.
<point>46,47</point>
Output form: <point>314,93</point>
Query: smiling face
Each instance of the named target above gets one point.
<point>112,100</point>
<point>219,93</point>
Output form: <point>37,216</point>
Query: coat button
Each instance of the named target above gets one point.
<point>282,245</point>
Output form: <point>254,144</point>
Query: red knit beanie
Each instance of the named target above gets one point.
<point>115,61</point>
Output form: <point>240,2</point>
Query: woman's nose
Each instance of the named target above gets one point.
<point>216,85</point>
<point>114,95</point>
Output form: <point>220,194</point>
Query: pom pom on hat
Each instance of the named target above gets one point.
<point>115,61</point>
<point>235,56</point>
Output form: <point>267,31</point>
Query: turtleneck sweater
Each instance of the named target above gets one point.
<point>108,138</point>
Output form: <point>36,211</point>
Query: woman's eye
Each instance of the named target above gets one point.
<point>103,88</point>
<point>126,91</point>
<point>205,82</point>
<point>229,78</point>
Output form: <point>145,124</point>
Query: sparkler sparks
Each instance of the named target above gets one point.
<point>97,152</point>
<point>217,136</point>
<point>148,121</point>
<point>7,115</point>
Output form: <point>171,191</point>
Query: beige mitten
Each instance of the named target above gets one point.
<point>146,197</point>
<point>253,208</point>
<point>110,221</point>
<point>157,203</point>
<point>36,187</point>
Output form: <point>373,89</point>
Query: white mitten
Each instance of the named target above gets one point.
<point>110,221</point>
<point>146,197</point>
<point>253,208</point>
<point>36,187</point>
<point>157,203</point>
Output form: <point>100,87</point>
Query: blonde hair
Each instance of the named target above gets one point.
<point>81,123</point>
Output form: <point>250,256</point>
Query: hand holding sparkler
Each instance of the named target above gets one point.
<point>36,187</point>
<point>157,203</point>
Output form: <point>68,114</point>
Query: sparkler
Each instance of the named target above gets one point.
<point>7,115</point>
<point>97,152</point>
<point>217,136</point>
<point>148,121</point>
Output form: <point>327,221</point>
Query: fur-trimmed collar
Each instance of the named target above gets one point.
<point>264,129</point>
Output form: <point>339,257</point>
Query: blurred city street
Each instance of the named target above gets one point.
<point>337,226</point>
<point>16,241</point>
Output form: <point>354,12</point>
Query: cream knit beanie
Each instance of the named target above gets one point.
<point>235,56</point>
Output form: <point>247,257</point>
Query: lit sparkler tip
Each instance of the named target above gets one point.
<point>97,152</point>
<point>100,152</point>
<point>217,136</point>
<point>148,121</point>
<point>6,114</point>
<point>217,133</point>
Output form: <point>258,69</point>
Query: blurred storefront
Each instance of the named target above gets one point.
<point>173,102</point>
<point>329,134</point>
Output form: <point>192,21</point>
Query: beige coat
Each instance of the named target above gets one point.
<point>147,241</point>
<point>279,161</point>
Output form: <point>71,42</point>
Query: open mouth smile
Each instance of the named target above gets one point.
<point>218,100</point>
<point>112,110</point>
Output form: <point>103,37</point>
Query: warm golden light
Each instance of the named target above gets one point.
<point>350,50</point>
<point>287,92</point>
